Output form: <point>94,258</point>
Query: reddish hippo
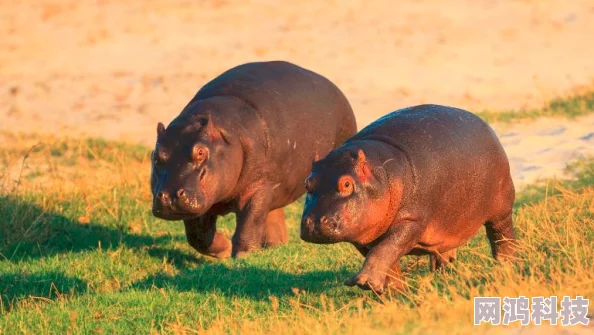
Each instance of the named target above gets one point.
<point>244,144</point>
<point>418,181</point>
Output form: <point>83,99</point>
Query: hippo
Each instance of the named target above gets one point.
<point>244,144</point>
<point>419,181</point>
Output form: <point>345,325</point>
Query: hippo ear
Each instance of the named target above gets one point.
<point>361,159</point>
<point>362,168</point>
<point>160,129</point>
<point>213,132</point>
<point>316,158</point>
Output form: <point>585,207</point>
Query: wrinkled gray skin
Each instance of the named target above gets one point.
<point>419,181</point>
<point>244,144</point>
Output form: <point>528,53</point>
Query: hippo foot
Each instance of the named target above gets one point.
<point>220,247</point>
<point>506,258</point>
<point>221,254</point>
<point>368,282</point>
<point>273,244</point>
<point>505,251</point>
<point>239,253</point>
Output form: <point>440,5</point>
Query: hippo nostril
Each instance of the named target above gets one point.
<point>164,198</point>
<point>323,220</point>
<point>181,192</point>
<point>308,221</point>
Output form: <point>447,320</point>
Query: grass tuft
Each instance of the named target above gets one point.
<point>571,106</point>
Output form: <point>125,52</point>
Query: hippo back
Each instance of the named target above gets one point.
<point>450,151</point>
<point>300,112</point>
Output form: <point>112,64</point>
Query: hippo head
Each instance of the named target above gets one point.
<point>347,199</point>
<point>194,165</point>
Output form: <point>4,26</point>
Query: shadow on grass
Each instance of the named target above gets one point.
<point>240,280</point>
<point>29,232</point>
<point>17,287</point>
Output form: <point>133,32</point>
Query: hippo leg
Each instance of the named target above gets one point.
<point>500,233</point>
<point>382,259</point>
<point>202,235</point>
<point>394,278</point>
<point>251,224</point>
<point>275,233</point>
<point>439,261</point>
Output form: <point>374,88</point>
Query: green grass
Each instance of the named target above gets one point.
<point>572,106</point>
<point>80,252</point>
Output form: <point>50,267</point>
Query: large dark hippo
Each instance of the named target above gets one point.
<point>244,144</point>
<point>418,181</point>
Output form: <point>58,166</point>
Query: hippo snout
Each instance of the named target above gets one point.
<point>177,205</point>
<point>187,202</point>
<point>322,229</point>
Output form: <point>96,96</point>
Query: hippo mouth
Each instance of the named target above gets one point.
<point>171,215</point>
<point>317,238</point>
<point>175,211</point>
<point>180,205</point>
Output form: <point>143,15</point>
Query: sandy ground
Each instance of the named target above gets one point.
<point>543,147</point>
<point>115,68</point>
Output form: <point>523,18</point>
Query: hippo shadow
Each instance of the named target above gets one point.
<point>28,232</point>
<point>232,279</point>
<point>41,287</point>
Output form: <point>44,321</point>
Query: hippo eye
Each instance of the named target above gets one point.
<point>345,185</point>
